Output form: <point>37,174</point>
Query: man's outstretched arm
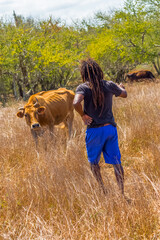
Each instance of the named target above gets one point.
<point>124,92</point>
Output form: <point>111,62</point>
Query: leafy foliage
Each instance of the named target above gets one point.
<point>43,55</point>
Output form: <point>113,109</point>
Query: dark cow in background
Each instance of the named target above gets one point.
<point>141,74</point>
<point>47,109</point>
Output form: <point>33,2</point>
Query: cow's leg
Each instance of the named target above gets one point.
<point>43,135</point>
<point>51,131</point>
<point>69,122</point>
<point>35,137</point>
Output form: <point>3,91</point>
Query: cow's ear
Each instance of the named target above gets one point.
<point>41,110</point>
<point>20,114</point>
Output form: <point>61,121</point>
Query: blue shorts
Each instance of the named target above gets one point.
<point>103,139</point>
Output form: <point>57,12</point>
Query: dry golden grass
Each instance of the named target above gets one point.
<point>53,195</point>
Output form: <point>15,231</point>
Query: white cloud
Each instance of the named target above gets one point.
<point>65,9</point>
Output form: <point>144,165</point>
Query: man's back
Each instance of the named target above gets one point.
<point>100,116</point>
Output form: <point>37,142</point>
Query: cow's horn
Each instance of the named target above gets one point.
<point>21,108</point>
<point>36,103</point>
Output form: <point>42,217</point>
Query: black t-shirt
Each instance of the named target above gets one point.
<point>110,89</point>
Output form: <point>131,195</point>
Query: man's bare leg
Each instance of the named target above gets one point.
<point>95,168</point>
<point>119,173</point>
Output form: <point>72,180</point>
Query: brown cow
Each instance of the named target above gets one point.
<point>140,74</point>
<point>46,109</point>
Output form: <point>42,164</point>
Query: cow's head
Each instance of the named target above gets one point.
<point>131,76</point>
<point>32,113</point>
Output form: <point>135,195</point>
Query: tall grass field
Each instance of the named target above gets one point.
<point>52,194</point>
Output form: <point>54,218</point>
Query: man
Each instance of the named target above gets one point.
<point>101,133</point>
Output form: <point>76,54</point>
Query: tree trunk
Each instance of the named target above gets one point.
<point>14,86</point>
<point>20,89</point>
<point>156,66</point>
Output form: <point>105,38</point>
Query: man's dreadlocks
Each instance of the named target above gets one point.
<point>91,72</point>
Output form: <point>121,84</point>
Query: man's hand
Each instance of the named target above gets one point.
<point>121,85</point>
<point>86,119</point>
<point>124,92</point>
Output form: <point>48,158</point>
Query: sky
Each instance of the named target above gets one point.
<point>67,10</point>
